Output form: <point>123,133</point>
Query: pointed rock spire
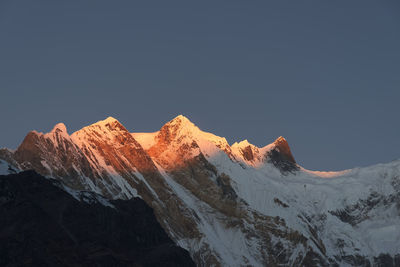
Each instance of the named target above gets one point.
<point>282,157</point>
<point>283,147</point>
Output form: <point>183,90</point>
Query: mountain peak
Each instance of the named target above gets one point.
<point>58,130</point>
<point>110,123</point>
<point>59,127</point>
<point>181,132</point>
<point>281,156</point>
<point>281,141</point>
<point>180,124</point>
<point>243,143</point>
<point>283,147</point>
<point>181,117</point>
<point>107,127</point>
<point>181,121</point>
<point>107,120</point>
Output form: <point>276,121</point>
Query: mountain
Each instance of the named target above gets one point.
<point>229,205</point>
<point>42,225</point>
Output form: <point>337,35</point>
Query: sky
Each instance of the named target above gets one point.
<point>323,74</point>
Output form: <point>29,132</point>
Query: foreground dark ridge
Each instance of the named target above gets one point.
<point>41,225</point>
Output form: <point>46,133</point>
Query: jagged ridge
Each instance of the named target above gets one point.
<point>227,204</point>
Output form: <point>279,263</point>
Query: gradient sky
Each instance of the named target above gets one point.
<point>323,74</point>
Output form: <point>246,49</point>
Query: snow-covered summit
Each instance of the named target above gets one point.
<point>182,122</point>
<point>242,144</point>
<point>277,152</point>
<point>179,127</point>
<point>248,153</point>
<point>108,124</point>
<point>108,129</point>
<point>180,140</point>
<point>108,120</point>
<point>181,136</point>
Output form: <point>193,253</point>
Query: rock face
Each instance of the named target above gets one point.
<point>281,156</point>
<point>229,205</point>
<point>42,225</point>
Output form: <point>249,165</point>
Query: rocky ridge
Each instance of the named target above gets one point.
<point>228,205</point>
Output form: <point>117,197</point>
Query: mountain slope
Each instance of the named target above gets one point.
<point>41,225</point>
<point>230,205</point>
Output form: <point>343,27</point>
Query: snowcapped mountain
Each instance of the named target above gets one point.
<point>229,205</point>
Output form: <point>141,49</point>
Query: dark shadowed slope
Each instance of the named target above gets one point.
<point>42,225</point>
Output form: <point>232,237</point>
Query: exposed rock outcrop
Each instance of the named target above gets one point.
<point>281,156</point>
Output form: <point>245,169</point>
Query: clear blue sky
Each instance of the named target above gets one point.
<point>324,74</point>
